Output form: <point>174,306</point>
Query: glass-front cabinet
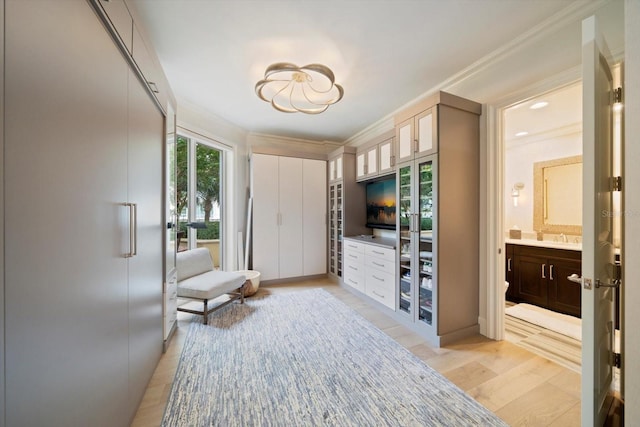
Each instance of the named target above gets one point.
<point>335,228</point>
<point>417,251</point>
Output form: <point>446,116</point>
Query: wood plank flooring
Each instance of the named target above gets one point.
<point>520,387</point>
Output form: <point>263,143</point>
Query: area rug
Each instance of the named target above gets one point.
<point>557,322</point>
<point>306,359</point>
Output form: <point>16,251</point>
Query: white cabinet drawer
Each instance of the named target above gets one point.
<point>351,256</point>
<point>381,287</point>
<point>380,252</point>
<point>355,280</point>
<point>381,264</point>
<point>172,286</point>
<point>356,268</point>
<point>350,245</point>
<point>169,321</point>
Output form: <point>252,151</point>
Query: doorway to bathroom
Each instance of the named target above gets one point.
<point>542,207</point>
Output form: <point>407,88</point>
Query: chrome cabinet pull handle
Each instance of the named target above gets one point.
<point>551,271</point>
<point>543,267</point>
<point>132,229</point>
<point>135,229</point>
<point>509,264</point>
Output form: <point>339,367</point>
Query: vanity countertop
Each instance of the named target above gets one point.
<point>385,242</point>
<point>546,244</point>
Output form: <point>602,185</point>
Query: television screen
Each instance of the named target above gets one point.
<point>381,203</point>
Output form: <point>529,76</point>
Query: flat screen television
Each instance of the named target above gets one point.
<point>381,203</point>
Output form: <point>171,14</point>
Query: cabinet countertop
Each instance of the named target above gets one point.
<point>545,244</point>
<point>385,242</point>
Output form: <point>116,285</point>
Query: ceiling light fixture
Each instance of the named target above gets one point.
<point>539,105</point>
<point>310,89</point>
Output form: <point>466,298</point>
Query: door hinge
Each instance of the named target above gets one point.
<point>617,360</point>
<point>617,95</point>
<point>616,183</point>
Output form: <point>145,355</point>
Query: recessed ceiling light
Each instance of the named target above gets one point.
<point>538,105</point>
<point>523,133</point>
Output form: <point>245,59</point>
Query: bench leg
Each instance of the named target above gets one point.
<point>205,312</point>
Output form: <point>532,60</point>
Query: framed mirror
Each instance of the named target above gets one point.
<point>557,205</point>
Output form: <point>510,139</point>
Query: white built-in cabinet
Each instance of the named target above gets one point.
<point>117,16</point>
<point>438,208</point>
<point>376,157</point>
<point>289,216</point>
<point>336,168</point>
<point>83,215</point>
<point>370,268</point>
<point>367,162</point>
<point>417,135</point>
<point>346,210</point>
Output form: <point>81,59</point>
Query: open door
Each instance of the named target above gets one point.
<point>599,277</point>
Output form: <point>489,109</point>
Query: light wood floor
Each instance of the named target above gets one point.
<point>520,387</point>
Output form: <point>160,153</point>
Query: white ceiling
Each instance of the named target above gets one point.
<point>563,113</point>
<point>384,53</point>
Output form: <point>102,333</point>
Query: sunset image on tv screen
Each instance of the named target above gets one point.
<point>381,204</point>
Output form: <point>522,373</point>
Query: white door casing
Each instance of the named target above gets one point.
<point>597,247</point>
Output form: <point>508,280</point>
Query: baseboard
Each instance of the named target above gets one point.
<point>482,321</point>
<point>292,279</point>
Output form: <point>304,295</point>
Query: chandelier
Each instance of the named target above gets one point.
<point>310,89</point>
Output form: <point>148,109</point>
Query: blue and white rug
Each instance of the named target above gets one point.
<point>306,359</point>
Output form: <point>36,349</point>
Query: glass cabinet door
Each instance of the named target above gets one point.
<point>425,264</point>
<point>339,205</point>
<point>332,230</point>
<point>405,231</point>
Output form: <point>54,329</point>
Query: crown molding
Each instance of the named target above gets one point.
<point>372,131</point>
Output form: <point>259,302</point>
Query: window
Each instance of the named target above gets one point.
<point>199,196</point>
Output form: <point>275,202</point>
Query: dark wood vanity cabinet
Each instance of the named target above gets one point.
<point>538,276</point>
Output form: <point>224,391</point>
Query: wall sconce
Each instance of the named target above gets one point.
<point>515,192</point>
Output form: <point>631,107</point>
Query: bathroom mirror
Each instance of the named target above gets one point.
<point>557,206</point>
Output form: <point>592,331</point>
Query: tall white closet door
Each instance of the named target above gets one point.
<point>146,138</point>
<point>290,233</point>
<point>65,177</point>
<point>264,187</point>
<point>314,214</point>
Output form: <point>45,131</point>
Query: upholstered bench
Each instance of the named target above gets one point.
<point>198,280</point>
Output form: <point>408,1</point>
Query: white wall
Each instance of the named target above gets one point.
<point>519,161</point>
<point>631,248</point>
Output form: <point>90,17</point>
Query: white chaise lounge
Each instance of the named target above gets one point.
<point>198,280</point>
